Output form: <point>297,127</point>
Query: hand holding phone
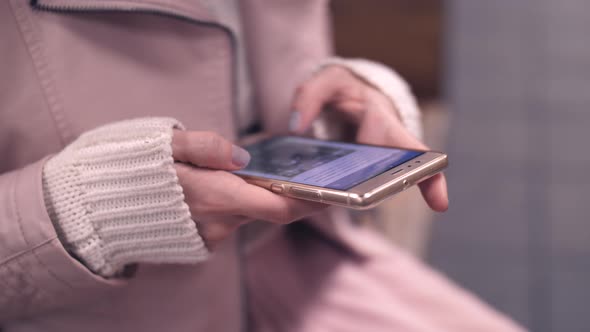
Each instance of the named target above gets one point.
<point>220,201</point>
<point>374,115</point>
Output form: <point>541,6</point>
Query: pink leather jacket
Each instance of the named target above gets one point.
<point>68,66</point>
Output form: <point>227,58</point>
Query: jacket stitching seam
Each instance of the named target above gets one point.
<point>21,292</point>
<point>21,229</point>
<point>33,286</point>
<point>165,8</point>
<point>17,215</point>
<point>17,255</point>
<point>41,67</point>
<point>34,248</point>
<point>47,268</point>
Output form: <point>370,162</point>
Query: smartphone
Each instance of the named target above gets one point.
<point>353,175</point>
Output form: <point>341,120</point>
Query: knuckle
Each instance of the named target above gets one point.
<point>300,89</point>
<point>198,209</point>
<point>305,89</point>
<point>305,96</point>
<point>343,73</point>
<point>193,142</point>
<point>182,171</point>
<point>179,144</point>
<point>219,150</point>
<point>211,139</point>
<point>214,142</point>
<point>204,206</point>
<point>209,147</point>
<point>334,70</point>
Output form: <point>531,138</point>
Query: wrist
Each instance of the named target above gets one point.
<point>114,198</point>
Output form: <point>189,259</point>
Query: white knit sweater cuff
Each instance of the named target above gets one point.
<point>389,83</point>
<point>114,198</point>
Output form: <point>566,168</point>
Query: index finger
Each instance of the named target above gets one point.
<point>208,149</point>
<point>312,95</point>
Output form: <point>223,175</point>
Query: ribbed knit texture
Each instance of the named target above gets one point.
<point>389,83</point>
<point>114,198</point>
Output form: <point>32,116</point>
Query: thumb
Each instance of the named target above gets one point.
<point>208,149</point>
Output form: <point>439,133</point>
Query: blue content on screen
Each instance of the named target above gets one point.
<point>371,171</point>
<point>333,165</point>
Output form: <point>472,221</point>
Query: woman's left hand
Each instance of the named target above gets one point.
<point>373,113</point>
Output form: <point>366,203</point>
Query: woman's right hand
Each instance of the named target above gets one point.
<point>220,201</point>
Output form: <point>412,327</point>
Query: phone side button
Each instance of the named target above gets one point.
<point>331,197</point>
<point>277,188</point>
<point>305,193</point>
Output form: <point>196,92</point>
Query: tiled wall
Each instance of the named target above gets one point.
<point>518,231</point>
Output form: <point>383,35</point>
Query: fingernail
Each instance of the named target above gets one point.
<point>239,156</point>
<point>294,121</point>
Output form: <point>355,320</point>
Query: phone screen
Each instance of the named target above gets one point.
<point>327,164</point>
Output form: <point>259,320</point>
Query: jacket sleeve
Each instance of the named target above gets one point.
<point>114,198</point>
<point>36,272</point>
<point>111,198</point>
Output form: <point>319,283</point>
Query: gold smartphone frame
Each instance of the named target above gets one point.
<point>366,194</point>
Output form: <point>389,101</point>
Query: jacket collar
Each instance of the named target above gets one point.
<point>193,10</point>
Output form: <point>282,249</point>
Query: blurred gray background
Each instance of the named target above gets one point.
<point>505,86</point>
<point>517,79</point>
